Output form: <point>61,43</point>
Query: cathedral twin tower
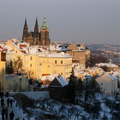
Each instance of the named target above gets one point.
<point>36,37</point>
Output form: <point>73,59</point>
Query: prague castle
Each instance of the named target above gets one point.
<point>36,37</point>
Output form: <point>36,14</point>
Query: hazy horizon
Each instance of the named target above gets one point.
<point>89,21</point>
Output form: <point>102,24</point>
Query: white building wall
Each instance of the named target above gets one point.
<point>107,85</point>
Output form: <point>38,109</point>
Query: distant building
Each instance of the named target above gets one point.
<point>108,66</point>
<point>79,53</point>
<point>36,37</point>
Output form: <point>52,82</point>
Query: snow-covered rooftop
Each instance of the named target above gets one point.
<point>55,55</point>
<point>62,81</point>
<point>112,75</point>
<point>107,64</point>
<point>49,77</point>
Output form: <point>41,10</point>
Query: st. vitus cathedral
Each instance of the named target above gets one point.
<point>36,37</point>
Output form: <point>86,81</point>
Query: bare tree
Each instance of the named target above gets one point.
<point>31,74</point>
<point>17,65</point>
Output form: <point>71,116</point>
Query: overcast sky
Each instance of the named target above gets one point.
<point>91,21</point>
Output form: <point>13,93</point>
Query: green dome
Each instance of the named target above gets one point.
<point>44,26</point>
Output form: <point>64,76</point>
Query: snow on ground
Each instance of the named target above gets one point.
<point>18,112</point>
<point>51,109</point>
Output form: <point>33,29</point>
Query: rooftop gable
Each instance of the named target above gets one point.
<point>59,81</point>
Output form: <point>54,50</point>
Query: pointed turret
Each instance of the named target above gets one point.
<point>36,33</point>
<point>25,22</point>
<point>25,31</point>
<point>36,24</point>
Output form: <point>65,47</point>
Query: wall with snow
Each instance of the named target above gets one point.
<point>35,95</point>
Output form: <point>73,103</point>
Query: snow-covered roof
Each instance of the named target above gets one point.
<point>112,75</point>
<point>62,81</point>
<point>49,77</point>
<point>33,50</point>
<point>55,55</point>
<point>79,71</point>
<point>107,64</point>
<point>55,47</point>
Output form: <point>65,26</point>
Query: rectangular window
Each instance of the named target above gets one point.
<point>101,84</point>
<point>55,61</point>
<point>18,58</point>
<point>30,58</point>
<point>30,65</point>
<point>61,62</point>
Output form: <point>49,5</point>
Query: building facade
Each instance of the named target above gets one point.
<point>36,37</point>
<point>2,69</point>
<point>108,83</point>
<point>78,54</point>
<point>56,63</point>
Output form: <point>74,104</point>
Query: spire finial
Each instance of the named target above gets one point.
<point>25,21</point>
<point>36,22</point>
<point>44,26</point>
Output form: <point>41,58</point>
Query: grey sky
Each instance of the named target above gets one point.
<point>92,21</point>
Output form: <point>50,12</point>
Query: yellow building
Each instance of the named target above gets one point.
<point>32,66</point>
<point>36,62</point>
<point>11,83</point>
<point>52,63</point>
<point>2,69</point>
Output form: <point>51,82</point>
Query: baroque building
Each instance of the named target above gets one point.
<point>36,37</point>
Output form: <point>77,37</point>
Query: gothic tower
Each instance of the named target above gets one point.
<point>35,37</point>
<point>45,33</point>
<point>36,33</point>
<point>25,32</point>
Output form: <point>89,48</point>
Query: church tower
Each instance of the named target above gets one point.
<point>36,33</point>
<point>45,33</point>
<point>25,32</point>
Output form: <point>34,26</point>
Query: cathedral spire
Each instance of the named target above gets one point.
<point>36,22</point>
<point>25,22</point>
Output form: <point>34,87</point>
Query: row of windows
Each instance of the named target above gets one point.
<point>56,62</point>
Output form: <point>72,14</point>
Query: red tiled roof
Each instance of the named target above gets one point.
<point>44,48</point>
<point>45,74</point>
<point>3,48</point>
<point>46,82</point>
<point>20,46</point>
